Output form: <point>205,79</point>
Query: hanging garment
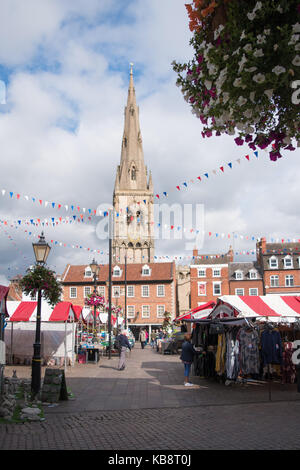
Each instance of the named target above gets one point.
<point>232,356</point>
<point>249,352</point>
<point>288,368</point>
<point>220,355</point>
<point>271,347</point>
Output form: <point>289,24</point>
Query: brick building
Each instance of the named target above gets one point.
<point>245,279</point>
<point>209,277</point>
<point>280,266</point>
<point>151,290</point>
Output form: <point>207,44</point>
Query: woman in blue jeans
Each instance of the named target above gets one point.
<point>187,357</point>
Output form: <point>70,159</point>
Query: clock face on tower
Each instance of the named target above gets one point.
<point>135,220</point>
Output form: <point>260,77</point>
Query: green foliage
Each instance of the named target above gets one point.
<point>243,76</point>
<point>42,278</point>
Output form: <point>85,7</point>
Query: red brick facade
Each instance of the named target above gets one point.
<point>148,295</point>
<point>276,271</point>
<point>280,263</point>
<point>208,282</point>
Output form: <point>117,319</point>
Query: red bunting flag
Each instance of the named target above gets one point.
<point>178,187</point>
<point>247,156</point>
<point>199,178</point>
<point>157,195</point>
<point>222,168</point>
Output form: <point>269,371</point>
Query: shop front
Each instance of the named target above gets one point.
<point>249,339</point>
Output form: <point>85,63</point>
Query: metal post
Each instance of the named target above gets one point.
<point>109,282</point>
<point>126,291</point>
<point>95,291</point>
<point>36,360</point>
<point>2,345</point>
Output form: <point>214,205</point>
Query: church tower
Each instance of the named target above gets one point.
<point>133,233</point>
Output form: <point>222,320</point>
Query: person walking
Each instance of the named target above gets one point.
<point>142,338</point>
<point>187,357</point>
<point>147,337</point>
<point>123,346</point>
<point>153,338</point>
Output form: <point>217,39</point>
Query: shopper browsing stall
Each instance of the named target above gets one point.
<point>187,357</point>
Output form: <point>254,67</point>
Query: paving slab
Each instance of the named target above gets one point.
<point>146,406</point>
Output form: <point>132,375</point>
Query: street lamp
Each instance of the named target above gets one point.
<point>117,296</point>
<point>126,289</point>
<point>41,251</point>
<point>95,270</point>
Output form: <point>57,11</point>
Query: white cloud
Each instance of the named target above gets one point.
<point>61,130</point>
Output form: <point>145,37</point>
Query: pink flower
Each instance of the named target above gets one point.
<point>239,141</point>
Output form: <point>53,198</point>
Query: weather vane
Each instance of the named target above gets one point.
<point>131,65</point>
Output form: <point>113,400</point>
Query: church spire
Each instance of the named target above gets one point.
<point>133,193</point>
<point>132,173</point>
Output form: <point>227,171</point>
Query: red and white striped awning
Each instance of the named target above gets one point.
<point>202,311</point>
<point>272,307</point>
<point>26,311</point>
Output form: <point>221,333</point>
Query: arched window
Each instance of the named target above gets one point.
<point>117,271</point>
<point>146,271</point>
<point>133,173</point>
<point>88,272</point>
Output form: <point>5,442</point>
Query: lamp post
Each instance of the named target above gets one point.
<point>126,290</point>
<point>110,232</point>
<point>116,295</point>
<point>95,270</point>
<point>41,251</point>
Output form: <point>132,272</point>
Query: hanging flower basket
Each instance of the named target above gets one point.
<point>41,278</point>
<point>95,300</point>
<point>244,77</point>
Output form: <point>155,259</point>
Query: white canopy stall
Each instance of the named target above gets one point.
<point>57,332</point>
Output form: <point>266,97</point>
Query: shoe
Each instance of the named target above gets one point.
<point>188,384</point>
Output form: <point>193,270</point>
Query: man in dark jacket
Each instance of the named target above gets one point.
<point>124,344</point>
<point>187,357</point>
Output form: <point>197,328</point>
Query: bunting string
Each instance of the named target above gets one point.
<point>82,211</point>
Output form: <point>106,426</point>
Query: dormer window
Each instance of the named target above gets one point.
<point>146,271</point>
<point>288,261</point>
<point>273,262</point>
<point>239,275</point>
<point>252,274</point>
<point>117,272</point>
<point>88,272</point>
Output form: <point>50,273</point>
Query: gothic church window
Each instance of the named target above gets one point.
<point>133,173</point>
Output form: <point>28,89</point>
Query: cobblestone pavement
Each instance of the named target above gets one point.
<point>146,406</point>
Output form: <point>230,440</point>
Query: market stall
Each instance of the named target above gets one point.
<point>57,332</point>
<point>248,338</point>
<point>94,343</point>
<point>170,344</point>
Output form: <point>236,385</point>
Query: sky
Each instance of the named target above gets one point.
<point>64,74</point>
